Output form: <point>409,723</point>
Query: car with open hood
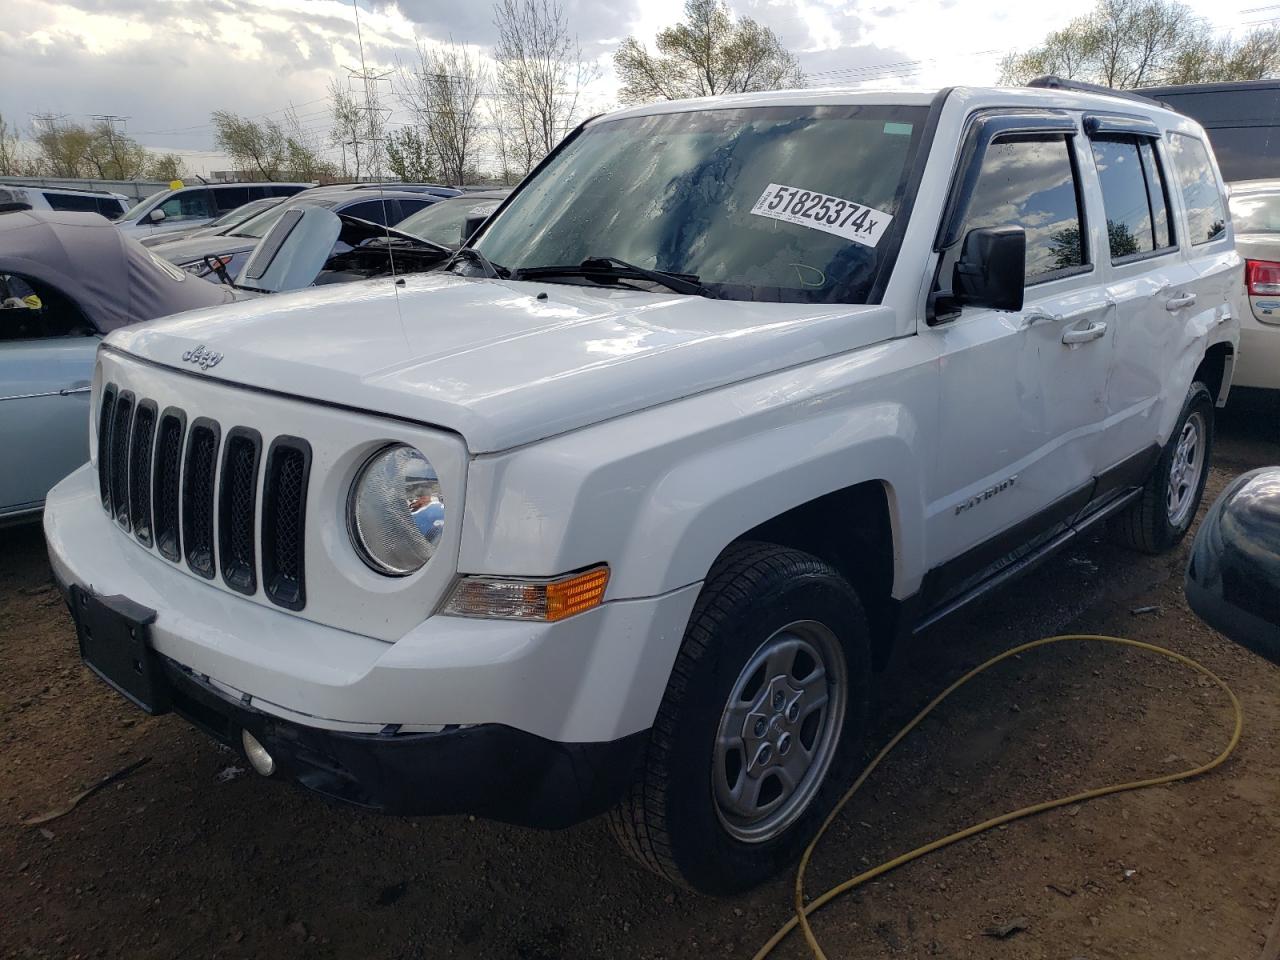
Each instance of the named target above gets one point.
<point>622,507</point>
<point>225,253</point>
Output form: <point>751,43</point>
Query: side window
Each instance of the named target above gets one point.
<point>1133,195</point>
<point>71,201</point>
<point>33,310</point>
<point>285,190</point>
<point>187,205</point>
<point>228,198</point>
<point>410,207</point>
<point>110,207</point>
<point>1206,215</point>
<point>371,210</point>
<point>257,193</point>
<point>1029,182</point>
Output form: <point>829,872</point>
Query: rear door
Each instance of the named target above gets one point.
<point>1149,280</point>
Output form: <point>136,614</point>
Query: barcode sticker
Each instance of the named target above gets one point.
<point>820,211</point>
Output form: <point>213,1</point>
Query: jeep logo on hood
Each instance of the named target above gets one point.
<point>202,356</point>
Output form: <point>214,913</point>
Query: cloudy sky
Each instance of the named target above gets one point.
<point>166,64</point>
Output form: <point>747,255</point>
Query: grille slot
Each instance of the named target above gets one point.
<point>121,419</point>
<point>166,492</point>
<point>178,487</point>
<point>284,514</point>
<point>237,499</point>
<point>105,411</point>
<point>197,495</point>
<point>144,432</point>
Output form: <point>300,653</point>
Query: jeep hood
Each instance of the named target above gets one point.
<point>502,363</point>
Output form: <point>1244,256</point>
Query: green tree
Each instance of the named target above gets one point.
<point>268,149</point>
<point>256,149</point>
<point>1135,43</point>
<point>409,157</point>
<point>165,166</point>
<point>62,149</point>
<point>708,53</point>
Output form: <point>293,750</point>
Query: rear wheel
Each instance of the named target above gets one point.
<point>1161,516</point>
<point>760,725</point>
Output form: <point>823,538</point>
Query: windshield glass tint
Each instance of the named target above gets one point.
<point>136,210</point>
<point>1256,212</point>
<point>442,222</point>
<point>675,192</point>
<point>259,225</point>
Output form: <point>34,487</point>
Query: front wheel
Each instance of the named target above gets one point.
<point>1161,517</point>
<point>760,726</point>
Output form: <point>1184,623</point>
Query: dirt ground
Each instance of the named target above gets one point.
<point>189,857</point>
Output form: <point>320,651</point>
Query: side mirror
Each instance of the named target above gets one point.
<point>155,216</point>
<point>471,225</point>
<point>991,270</point>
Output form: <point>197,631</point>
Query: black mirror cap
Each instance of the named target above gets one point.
<point>991,269</point>
<point>471,225</point>
<point>1233,575</point>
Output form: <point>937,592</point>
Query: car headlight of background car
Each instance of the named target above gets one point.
<point>395,511</point>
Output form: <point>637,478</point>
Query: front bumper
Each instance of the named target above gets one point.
<point>525,722</point>
<point>487,770</point>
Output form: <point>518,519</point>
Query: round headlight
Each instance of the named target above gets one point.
<point>396,511</point>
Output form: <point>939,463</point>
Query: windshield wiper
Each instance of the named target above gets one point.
<point>612,268</point>
<point>490,268</point>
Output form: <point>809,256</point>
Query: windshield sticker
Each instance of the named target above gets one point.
<point>808,208</point>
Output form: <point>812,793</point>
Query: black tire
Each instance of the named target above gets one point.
<point>670,820</point>
<point>1145,525</point>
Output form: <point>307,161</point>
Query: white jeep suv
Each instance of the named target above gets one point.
<point>622,508</point>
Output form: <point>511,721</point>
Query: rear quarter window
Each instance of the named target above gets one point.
<point>1193,171</point>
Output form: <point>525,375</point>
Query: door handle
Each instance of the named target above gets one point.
<point>1177,303</point>
<point>1033,315</point>
<point>1084,334</point>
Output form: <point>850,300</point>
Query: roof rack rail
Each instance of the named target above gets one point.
<point>1058,83</point>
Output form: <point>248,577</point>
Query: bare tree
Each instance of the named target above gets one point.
<point>11,160</point>
<point>1135,43</point>
<point>359,124</point>
<point>443,90</point>
<point>540,76</point>
<point>708,53</point>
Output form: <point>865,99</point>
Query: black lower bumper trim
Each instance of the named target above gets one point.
<point>489,770</point>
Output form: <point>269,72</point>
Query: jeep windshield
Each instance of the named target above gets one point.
<point>779,203</point>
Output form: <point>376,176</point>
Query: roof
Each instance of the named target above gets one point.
<point>1221,87</point>
<point>111,277</point>
<point>904,96</point>
<point>1254,186</point>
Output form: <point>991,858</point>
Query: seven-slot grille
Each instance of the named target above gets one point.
<point>160,478</point>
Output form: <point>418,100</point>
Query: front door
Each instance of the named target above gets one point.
<point>1023,394</point>
<point>46,364</point>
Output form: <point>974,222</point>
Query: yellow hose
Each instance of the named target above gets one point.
<point>802,911</point>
